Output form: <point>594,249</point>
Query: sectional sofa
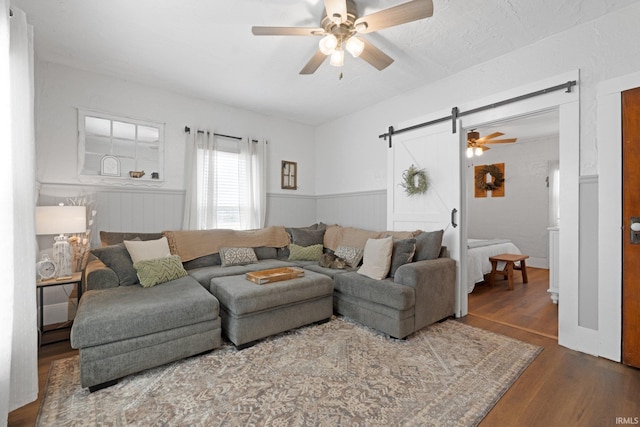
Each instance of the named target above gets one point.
<point>138,314</point>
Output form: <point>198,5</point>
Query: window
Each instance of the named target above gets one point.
<point>119,147</point>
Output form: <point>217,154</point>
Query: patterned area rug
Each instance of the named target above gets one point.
<point>335,374</point>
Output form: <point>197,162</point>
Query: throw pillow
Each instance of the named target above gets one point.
<point>305,253</point>
<point>403,251</point>
<point>237,256</point>
<point>352,256</point>
<point>147,249</point>
<point>152,272</point>
<point>428,245</point>
<point>117,258</point>
<point>377,258</point>
<point>302,237</point>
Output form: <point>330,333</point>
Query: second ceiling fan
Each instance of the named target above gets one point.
<point>476,145</point>
<point>341,27</point>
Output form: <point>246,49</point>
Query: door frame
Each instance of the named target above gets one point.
<point>570,333</point>
<point>609,134</point>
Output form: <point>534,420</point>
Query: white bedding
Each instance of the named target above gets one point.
<point>478,253</point>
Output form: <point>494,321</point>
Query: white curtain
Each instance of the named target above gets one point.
<point>225,182</point>
<point>19,374</point>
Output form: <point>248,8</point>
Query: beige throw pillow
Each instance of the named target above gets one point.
<point>141,250</point>
<point>377,258</point>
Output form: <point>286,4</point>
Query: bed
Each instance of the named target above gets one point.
<point>478,253</point>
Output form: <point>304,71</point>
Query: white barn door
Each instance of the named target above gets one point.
<point>436,149</point>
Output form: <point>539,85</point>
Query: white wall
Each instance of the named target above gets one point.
<point>61,90</point>
<point>600,49</point>
<point>522,215</point>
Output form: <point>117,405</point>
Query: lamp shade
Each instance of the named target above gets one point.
<point>61,219</point>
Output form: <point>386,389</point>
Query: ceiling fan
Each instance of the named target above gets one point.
<point>341,27</point>
<point>476,145</point>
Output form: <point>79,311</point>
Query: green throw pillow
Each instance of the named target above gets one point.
<point>305,253</point>
<point>152,272</point>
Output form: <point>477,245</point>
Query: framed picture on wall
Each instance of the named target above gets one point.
<point>289,179</point>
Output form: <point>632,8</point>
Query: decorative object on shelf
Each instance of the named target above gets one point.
<point>61,219</point>
<point>81,242</point>
<point>489,178</point>
<point>110,166</point>
<point>414,181</point>
<point>136,174</point>
<point>155,175</point>
<point>289,175</point>
<point>45,268</point>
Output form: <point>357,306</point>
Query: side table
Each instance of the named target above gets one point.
<point>76,279</point>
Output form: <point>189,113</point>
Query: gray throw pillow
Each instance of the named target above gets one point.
<point>428,245</point>
<point>117,258</point>
<point>303,237</point>
<point>403,252</point>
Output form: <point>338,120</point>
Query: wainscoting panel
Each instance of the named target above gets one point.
<point>367,209</point>
<point>588,280</point>
<point>290,210</point>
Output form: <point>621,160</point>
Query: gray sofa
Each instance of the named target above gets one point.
<point>122,328</point>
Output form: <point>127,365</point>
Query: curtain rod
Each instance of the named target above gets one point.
<point>455,113</point>
<point>187,129</point>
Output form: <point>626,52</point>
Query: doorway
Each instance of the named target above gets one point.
<point>516,219</point>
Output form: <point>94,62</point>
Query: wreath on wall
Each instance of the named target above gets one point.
<point>481,178</point>
<point>414,181</point>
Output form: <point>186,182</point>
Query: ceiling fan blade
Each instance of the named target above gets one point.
<point>286,31</point>
<point>487,137</point>
<point>336,7</point>
<point>502,141</point>
<point>375,56</point>
<point>396,15</point>
<point>316,60</point>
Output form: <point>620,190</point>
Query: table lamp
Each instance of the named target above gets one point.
<point>61,220</point>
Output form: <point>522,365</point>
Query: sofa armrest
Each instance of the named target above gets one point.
<point>98,276</point>
<point>434,282</point>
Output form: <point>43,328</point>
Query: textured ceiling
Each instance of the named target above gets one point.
<point>205,48</point>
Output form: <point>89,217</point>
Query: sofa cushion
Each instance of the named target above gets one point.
<point>147,249</point>
<point>377,258</point>
<point>303,237</point>
<point>428,245</point>
<point>305,253</point>
<point>403,251</point>
<point>116,314</point>
<point>237,256</point>
<point>241,296</point>
<point>205,274</point>
<point>117,258</point>
<point>108,238</point>
<point>153,272</point>
<point>384,292</point>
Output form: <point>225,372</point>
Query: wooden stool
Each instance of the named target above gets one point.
<point>510,260</point>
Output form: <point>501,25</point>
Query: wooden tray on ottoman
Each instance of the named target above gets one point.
<point>274,275</point>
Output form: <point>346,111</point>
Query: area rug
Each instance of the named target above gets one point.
<point>335,374</point>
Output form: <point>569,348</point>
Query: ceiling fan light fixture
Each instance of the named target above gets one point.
<point>355,46</point>
<point>337,58</point>
<point>328,44</point>
<point>478,151</point>
<point>469,152</point>
<point>336,18</point>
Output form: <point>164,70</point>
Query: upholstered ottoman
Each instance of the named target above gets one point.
<point>123,330</point>
<point>251,312</point>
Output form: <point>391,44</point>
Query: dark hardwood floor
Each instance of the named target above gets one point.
<point>561,387</point>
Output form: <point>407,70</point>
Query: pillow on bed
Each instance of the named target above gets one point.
<point>428,245</point>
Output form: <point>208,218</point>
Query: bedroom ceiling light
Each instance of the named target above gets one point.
<point>337,58</point>
<point>355,46</point>
<point>474,151</point>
